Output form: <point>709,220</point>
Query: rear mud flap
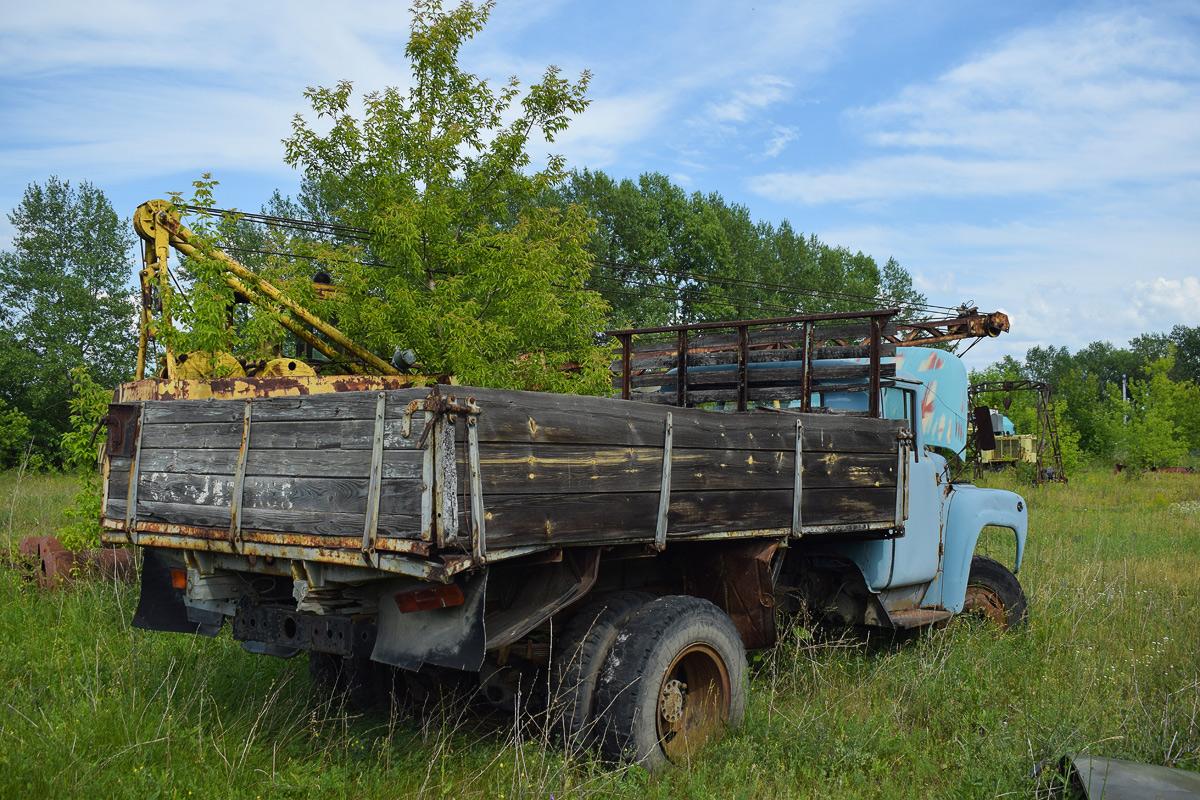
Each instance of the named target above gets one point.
<point>161,606</point>
<point>447,637</point>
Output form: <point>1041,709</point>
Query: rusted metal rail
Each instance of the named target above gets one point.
<point>712,361</point>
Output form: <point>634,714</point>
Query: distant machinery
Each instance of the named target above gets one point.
<point>1040,448</point>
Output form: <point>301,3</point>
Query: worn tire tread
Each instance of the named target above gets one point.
<point>624,694</point>
<point>579,655</point>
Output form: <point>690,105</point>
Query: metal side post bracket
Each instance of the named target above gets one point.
<point>797,496</point>
<point>478,525</point>
<point>445,482</point>
<point>239,482</point>
<point>374,480</point>
<point>664,496</point>
<point>132,498</point>
<point>427,486</point>
<point>905,444</point>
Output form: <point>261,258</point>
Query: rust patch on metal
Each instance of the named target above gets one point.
<point>403,546</point>
<point>738,579</point>
<point>52,565</point>
<point>241,388</point>
<point>985,602</point>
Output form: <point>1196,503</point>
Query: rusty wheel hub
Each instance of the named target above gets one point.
<point>671,701</point>
<point>986,602</point>
<point>693,702</point>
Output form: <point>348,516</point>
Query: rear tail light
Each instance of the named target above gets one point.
<point>426,599</point>
<point>179,578</point>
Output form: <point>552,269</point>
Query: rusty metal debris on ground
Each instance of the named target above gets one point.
<point>54,565</point>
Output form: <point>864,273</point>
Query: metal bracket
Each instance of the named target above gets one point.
<point>427,487</point>
<point>131,498</point>
<point>664,495</point>
<point>239,482</point>
<point>446,477</point>
<point>797,496</point>
<point>478,525</point>
<point>371,523</point>
<point>905,445</point>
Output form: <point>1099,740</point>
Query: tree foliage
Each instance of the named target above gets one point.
<point>64,301</point>
<point>1136,405</point>
<point>89,401</point>
<point>665,256</point>
<point>480,280</point>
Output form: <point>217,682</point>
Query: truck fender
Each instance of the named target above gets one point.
<point>969,510</point>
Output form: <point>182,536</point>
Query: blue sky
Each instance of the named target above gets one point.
<point>1038,158</point>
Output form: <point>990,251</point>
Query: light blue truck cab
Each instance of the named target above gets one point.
<point>924,574</point>
<point>928,570</point>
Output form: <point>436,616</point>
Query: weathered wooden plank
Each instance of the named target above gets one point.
<point>535,469</point>
<point>656,398</point>
<point>543,418</point>
<point>759,377</point>
<point>301,435</point>
<point>338,405</point>
<point>838,388</point>
<point>509,416</point>
<point>294,463</point>
<point>726,395</point>
<point>846,371</point>
<point>861,330</point>
<point>619,422</point>
<point>666,362</point>
<point>764,375</point>
<point>561,519</point>
<point>319,523</point>
<point>651,362</point>
<point>853,351</point>
<point>284,494</point>
<point>757,336</point>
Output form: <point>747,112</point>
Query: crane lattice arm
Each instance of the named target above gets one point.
<point>161,230</point>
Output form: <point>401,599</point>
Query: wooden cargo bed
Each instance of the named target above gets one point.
<point>349,474</point>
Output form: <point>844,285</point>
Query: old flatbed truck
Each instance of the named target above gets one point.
<point>626,552</point>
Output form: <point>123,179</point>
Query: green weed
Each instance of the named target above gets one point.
<point>1109,664</point>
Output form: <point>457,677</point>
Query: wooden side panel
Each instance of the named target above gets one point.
<point>565,518</point>
<point>555,469</point>
<point>307,465</point>
<point>565,470</point>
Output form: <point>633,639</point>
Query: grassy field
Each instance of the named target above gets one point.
<point>1109,665</point>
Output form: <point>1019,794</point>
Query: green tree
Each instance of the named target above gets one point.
<point>482,281</point>
<point>64,302</point>
<point>666,256</point>
<point>15,437</point>
<point>1187,353</point>
<point>1151,437</point>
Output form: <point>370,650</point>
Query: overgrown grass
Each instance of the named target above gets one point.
<point>1110,665</point>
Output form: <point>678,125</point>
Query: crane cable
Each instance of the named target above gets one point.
<point>363,235</point>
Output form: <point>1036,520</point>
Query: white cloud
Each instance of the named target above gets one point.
<point>1066,282</point>
<point>1081,104</point>
<point>782,136</point>
<point>760,92</point>
<point>244,42</point>
<point>1169,299</point>
<point>609,125</point>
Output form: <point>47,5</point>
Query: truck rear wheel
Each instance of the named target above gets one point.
<point>578,656</point>
<point>674,680</point>
<point>995,593</point>
<point>366,685</point>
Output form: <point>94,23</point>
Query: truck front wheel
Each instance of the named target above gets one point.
<point>995,593</point>
<point>675,678</point>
